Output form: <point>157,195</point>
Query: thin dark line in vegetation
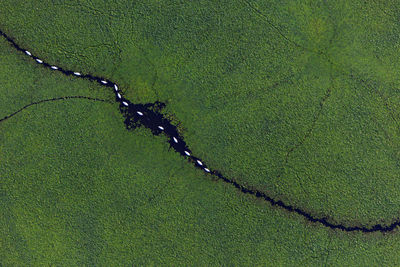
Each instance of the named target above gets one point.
<point>279,31</point>
<point>149,116</point>
<point>53,99</point>
<point>385,101</point>
<point>305,137</point>
<point>390,16</point>
<point>373,87</point>
<point>311,128</point>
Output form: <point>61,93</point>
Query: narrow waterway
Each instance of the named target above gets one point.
<point>150,116</point>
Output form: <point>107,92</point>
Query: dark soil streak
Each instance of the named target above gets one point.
<point>149,116</point>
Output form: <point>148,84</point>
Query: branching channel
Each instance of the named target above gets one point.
<point>149,116</point>
<point>50,100</point>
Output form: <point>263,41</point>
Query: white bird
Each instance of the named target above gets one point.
<point>77,73</point>
<point>28,53</point>
<point>207,170</point>
<point>175,140</point>
<point>54,67</point>
<point>161,128</point>
<point>104,82</point>
<point>187,153</point>
<point>119,95</point>
<point>126,104</point>
<point>199,162</point>
<point>140,113</point>
<point>115,87</point>
<point>39,61</point>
